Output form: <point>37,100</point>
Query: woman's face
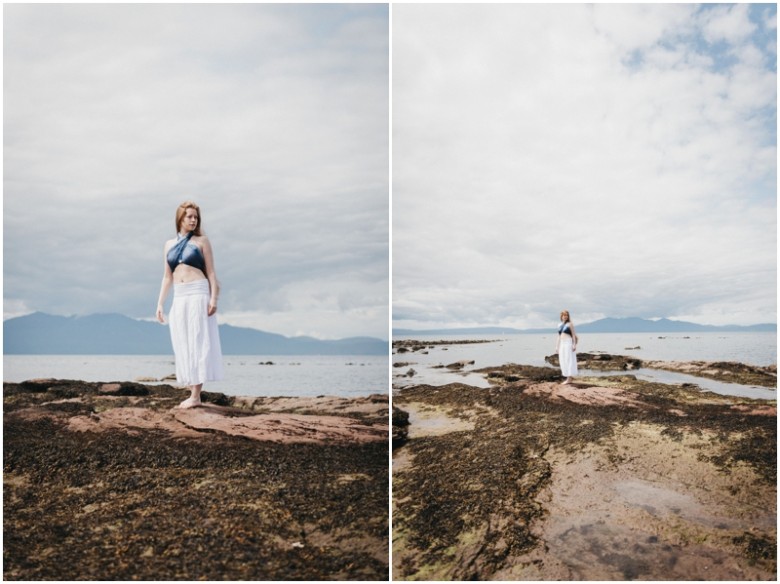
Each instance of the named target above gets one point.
<point>564,315</point>
<point>190,220</point>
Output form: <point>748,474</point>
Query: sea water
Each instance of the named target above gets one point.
<point>531,349</point>
<point>245,375</point>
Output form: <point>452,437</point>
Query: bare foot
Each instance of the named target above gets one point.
<point>567,382</point>
<point>190,402</point>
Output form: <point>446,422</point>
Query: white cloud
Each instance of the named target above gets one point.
<point>639,26</point>
<point>770,19</point>
<point>730,23</point>
<point>549,156</point>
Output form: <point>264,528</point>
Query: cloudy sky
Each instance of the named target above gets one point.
<point>613,160</point>
<point>273,118</point>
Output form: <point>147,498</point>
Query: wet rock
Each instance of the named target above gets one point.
<point>35,385</point>
<point>404,346</point>
<point>460,364</point>
<point>125,389</point>
<point>219,399</point>
<point>726,371</point>
<point>400,427</point>
<point>511,373</point>
<point>757,547</point>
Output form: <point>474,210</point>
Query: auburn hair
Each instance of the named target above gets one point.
<point>182,211</point>
<point>563,313</point>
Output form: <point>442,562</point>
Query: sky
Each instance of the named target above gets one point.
<point>611,160</point>
<point>272,118</point>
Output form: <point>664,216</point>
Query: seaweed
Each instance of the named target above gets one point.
<point>470,501</point>
<point>146,506</point>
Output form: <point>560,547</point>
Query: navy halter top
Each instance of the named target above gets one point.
<point>184,252</point>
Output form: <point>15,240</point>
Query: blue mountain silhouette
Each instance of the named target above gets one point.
<point>116,334</point>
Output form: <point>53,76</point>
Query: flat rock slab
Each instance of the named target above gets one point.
<point>373,405</point>
<point>585,394</point>
<point>201,422</point>
<point>280,427</point>
<point>134,408</point>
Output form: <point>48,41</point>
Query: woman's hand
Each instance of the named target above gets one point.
<point>160,316</point>
<point>212,308</point>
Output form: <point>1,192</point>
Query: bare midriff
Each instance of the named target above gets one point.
<point>183,274</point>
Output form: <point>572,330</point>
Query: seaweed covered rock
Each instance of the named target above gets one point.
<point>400,427</point>
<point>110,481</point>
<point>513,373</point>
<point>610,479</point>
<point>601,362</point>
<point>726,371</point>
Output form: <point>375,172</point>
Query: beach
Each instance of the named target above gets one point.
<point>609,478</point>
<point>108,481</point>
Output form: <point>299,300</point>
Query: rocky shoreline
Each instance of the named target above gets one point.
<point>109,481</point>
<point>725,371</point>
<point>610,478</point>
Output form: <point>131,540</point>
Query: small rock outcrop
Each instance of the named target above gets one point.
<point>460,364</point>
<point>400,427</point>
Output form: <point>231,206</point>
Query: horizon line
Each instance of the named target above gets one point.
<point>589,322</point>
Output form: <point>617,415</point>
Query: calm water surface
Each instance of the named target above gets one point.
<point>531,349</point>
<point>246,375</point>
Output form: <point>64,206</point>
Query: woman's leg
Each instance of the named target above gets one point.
<point>194,399</point>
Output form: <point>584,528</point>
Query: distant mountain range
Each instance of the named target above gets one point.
<point>605,325</point>
<point>115,334</point>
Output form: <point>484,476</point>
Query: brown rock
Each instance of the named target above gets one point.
<point>460,364</point>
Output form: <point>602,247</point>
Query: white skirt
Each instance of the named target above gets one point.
<point>194,334</point>
<point>567,358</point>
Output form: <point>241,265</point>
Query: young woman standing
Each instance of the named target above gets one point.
<point>566,346</point>
<point>189,268</point>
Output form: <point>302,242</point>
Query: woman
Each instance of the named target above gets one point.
<point>189,266</point>
<point>566,346</point>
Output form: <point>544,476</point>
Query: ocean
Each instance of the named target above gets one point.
<point>531,349</point>
<point>353,376</point>
<point>245,375</point>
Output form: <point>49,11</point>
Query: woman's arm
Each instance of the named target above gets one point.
<point>211,274</point>
<point>574,337</point>
<point>165,287</point>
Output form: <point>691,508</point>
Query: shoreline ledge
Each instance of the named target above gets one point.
<point>109,481</point>
<point>723,371</point>
<point>608,478</point>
